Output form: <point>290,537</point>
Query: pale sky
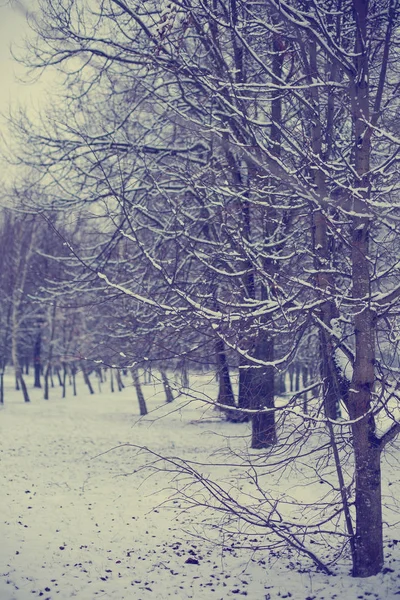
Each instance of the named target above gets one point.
<point>13,31</point>
<point>15,89</point>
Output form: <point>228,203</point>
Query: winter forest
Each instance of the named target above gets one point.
<point>201,239</point>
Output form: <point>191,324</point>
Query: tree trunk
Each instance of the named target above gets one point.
<point>297,377</point>
<point>64,381</point>
<point>291,377</point>
<point>37,361</point>
<point>73,372</point>
<point>184,375</point>
<point>139,393</point>
<point>120,383</point>
<point>46,382</point>
<point>112,380</point>
<point>225,391</point>
<point>369,538</point>
<point>86,378</point>
<point>263,396</point>
<point>368,559</point>
<point>169,397</point>
<point>57,369</point>
<point>23,387</point>
<point>304,372</point>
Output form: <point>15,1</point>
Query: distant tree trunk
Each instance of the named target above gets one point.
<point>147,374</point>
<point>73,373</point>
<point>120,383</point>
<point>139,393</point>
<point>24,388</point>
<point>281,384</point>
<point>169,397</point>
<point>112,380</point>
<point>184,373</point>
<point>48,370</point>
<point>86,377</point>
<point>58,373</point>
<point>2,388</point>
<point>305,383</point>
<point>64,380</point>
<point>37,359</point>
<point>46,381</point>
<point>225,391</point>
<point>297,377</point>
<point>291,377</point>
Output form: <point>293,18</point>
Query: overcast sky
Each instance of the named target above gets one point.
<point>15,89</point>
<point>13,31</point>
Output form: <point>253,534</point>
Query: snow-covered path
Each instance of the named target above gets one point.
<point>78,522</point>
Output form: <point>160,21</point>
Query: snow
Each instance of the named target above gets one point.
<point>81,519</point>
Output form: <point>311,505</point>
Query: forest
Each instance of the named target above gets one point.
<point>214,190</point>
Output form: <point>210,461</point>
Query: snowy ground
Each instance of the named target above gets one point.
<point>77,521</point>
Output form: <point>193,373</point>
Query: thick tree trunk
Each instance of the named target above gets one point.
<point>262,396</point>
<point>368,538</point>
<point>368,559</point>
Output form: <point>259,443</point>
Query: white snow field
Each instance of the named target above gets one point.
<point>79,520</point>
